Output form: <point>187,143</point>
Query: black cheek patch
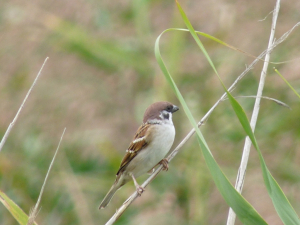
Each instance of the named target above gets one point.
<point>166,116</point>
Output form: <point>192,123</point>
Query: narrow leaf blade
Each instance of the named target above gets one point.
<point>14,209</point>
<point>246,213</point>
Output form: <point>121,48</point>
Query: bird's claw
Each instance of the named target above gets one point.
<point>165,164</point>
<point>140,190</point>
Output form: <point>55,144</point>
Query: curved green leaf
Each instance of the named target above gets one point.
<point>245,212</point>
<point>283,207</point>
<point>14,209</point>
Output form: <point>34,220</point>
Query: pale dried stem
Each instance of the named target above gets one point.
<point>126,204</point>
<point>265,97</point>
<point>20,109</point>
<point>246,151</point>
<point>34,211</point>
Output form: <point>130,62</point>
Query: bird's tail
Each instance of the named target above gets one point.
<point>109,195</point>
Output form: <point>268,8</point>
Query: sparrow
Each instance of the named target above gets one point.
<point>150,144</point>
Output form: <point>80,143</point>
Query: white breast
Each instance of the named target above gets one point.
<point>160,145</point>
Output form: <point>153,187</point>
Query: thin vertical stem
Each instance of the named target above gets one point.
<point>34,211</point>
<point>21,107</point>
<point>242,170</point>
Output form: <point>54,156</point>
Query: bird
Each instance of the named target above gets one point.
<point>151,143</point>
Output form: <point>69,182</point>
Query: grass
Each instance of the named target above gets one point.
<point>79,92</point>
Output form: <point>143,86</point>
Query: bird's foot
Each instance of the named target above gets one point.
<point>165,164</point>
<point>139,189</point>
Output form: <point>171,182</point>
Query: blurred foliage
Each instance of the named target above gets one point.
<point>99,79</point>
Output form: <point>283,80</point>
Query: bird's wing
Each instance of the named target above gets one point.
<point>140,141</point>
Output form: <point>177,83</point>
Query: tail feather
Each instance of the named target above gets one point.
<point>109,196</point>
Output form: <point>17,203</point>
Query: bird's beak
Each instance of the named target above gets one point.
<point>175,108</point>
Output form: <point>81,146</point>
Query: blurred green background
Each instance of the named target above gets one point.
<point>100,77</point>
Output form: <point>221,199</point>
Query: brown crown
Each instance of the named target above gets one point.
<point>153,111</point>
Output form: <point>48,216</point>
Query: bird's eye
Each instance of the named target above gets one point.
<point>169,108</point>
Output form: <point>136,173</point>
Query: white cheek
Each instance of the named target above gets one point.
<point>164,120</point>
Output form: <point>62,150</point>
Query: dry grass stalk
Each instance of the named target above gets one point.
<point>33,213</point>
<point>5,136</point>
<point>246,151</point>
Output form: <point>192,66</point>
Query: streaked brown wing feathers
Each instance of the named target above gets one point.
<point>139,142</point>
